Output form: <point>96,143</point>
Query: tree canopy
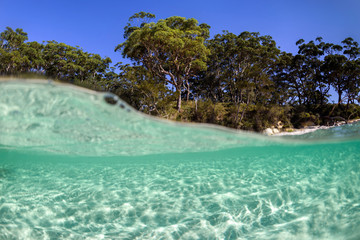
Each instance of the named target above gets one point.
<point>172,49</point>
<point>178,72</point>
<point>52,59</point>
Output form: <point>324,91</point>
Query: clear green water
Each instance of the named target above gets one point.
<point>75,167</point>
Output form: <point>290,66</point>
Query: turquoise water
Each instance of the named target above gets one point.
<point>73,166</point>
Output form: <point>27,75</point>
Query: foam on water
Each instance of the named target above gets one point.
<point>74,167</point>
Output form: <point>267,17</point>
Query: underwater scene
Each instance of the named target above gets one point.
<point>77,164</point>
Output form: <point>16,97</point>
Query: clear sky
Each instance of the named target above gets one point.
<point>97,26</point>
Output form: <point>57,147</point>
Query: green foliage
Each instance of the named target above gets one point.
<point>140,88</point>
<point>172,48</point>
<point>72,63</point>
<point>242,81</point>
<point>53,59</point>
<point>241,65</point>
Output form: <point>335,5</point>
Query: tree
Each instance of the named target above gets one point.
<point>73,64</point>
<point>172,49</point>
<point>12,40</point>
<point>306,77</point>
<point>342,69</point>
<point>352,68</point>
<point>283,93</point>
<point>241,66</point>
<point>11,57</point>
<point>138,87</point>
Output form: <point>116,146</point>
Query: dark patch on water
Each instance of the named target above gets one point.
<point>110,99</point>
<point>122,106</point>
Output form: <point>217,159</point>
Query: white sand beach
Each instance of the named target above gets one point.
<point>295,131</point>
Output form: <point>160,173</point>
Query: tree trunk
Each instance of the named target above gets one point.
<point>237,114</point>
<point>196,107</point>
<point>243,112</point>
<point>178,105</point>
<point>188,90</point>
<point>340,97</point>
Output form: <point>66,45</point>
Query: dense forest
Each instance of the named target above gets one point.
<point>179,72</point>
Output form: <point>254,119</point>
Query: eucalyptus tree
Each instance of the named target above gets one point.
<point>60,60</point>
<point>11,57</point>
<point>352,90</point>
<point>172,49</point>
<point>34,53</point>
<point>213,83</point>
<point>306,77</point>
<point>138,87</point>
<point>341,68</point>
<point>70,63</point>
<point>283,92</point>
<point>242,67</point>
<point>12,40</point>
<point>352,51</point>
<point>351,48</point>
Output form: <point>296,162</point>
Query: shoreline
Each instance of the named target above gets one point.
<point>300,131</point>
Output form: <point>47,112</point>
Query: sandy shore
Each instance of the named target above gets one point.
<point>311,129</point>
<point>301,130</point>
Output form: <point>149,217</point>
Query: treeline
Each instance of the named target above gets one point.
<point>242,81</point>
<point>51,59</point>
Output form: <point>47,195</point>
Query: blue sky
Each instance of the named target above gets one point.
<point>97,26</point>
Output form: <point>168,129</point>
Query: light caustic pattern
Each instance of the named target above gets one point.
<point>255,189</point>
<point>308,194</point>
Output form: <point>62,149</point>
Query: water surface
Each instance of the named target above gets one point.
<point>73,166</point>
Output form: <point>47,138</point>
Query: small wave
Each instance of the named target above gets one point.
<point>64,119</point>
<point>154,186</point>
